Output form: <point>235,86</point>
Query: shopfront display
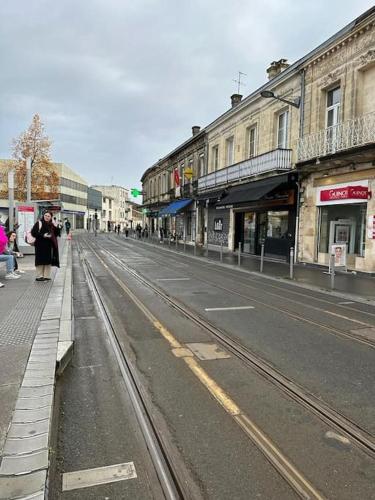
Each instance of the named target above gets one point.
<point>342,219</point>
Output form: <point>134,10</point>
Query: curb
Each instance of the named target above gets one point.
<point>25,460</point>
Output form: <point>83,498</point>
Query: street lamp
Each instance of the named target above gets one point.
<point>268,94</point>
<point>28,179</point>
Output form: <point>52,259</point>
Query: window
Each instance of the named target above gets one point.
<point>230,150</point>
<point>202,166</point>
<point>282,130</point>
<point>252,142</point>
<point>333,107</point>
<point>215,158</point>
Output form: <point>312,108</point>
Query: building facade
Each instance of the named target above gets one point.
<point>336,154</point>
<point>94,209</point>
<point>115,204</point>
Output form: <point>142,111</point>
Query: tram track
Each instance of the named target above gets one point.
<point>287,312</point>
<point>172,487</point>
<point>355,433</point>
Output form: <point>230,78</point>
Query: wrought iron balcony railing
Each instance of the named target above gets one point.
<point>278,159</point>
<point>343,136</point>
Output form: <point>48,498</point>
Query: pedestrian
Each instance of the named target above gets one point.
<point>126,231</point>
<point>118,229</point>
<point>46,247</point>
<point>67,225</point>
<point>8,259</point>
<point>12,249</point>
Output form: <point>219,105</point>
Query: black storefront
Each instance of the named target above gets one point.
<point>264,212</point>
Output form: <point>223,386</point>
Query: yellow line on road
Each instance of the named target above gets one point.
<point>263,443</point>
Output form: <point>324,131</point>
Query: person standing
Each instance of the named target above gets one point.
<point>67,226</point>
<point>46,247</point>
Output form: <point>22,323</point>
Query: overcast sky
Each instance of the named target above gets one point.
<point>119,83</point>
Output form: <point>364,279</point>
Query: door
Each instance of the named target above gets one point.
<point>342,232</point>
<point>238,229</point>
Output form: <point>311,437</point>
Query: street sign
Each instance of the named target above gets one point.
<point>188,172</point>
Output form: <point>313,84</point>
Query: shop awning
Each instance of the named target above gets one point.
<point>174,207</point>
<point>212,196</point>
<point>252,191</point>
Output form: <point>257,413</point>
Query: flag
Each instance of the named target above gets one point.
<point>176,177</point>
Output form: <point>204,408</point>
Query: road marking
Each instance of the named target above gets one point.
<point>337,437</point>
<point>238,308</point>
<point>173,279</point>
<point>100,475</point>
<point>343,303</point>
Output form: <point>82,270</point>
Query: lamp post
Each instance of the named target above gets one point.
<point>28,179</point>
<point>268,94</point>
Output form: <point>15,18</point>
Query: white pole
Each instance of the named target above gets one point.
<point>28,179</point>
<point>11,198</point>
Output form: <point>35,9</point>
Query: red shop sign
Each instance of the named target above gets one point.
<point>345,193</point>
<point>24,208</point>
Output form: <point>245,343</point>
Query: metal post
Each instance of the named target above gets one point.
<point>291,263</point>
<point>261,257</point>
<point>169,239</point>
<point>207,244</point>
<point>11,199</point>
<point>28,179</point>
<point>184,244</point>
<point>195,248</point>
<point>332,271</point>
<point>221,252</point>
<point>239,253</point>
<point>176,237</point>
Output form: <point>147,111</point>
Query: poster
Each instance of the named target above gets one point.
<point>339,251</point>
<point>26,220</point>
<point>371,227</point>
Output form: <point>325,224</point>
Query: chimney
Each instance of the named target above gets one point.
<point>236,99</point>
<point>196,129</point>
<point>276,67</point>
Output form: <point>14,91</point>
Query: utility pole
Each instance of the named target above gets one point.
<point>28,179</point>
<point>239,83</point>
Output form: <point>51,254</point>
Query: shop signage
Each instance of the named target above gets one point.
<point>218,225</point>
<point>371,227</point>
<point>345,193</point>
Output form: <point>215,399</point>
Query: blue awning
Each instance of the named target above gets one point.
<point>175,207</point>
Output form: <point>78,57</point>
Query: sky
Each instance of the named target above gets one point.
<point>119,83</point>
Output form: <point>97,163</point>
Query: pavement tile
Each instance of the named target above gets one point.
<point>24,416</point>
<point>18,446</point>
<point>38,383</point>
<point>29,429</point>
<point>23,464</point>
<point>34,403</point>
<point>18,486</point>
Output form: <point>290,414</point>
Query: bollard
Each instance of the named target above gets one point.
<point>169,240</point>
<point>221,252</point>
<point>207,247</point>
<point>185,244</point>
<point>239,253</point>
<point>195,248</point>
<point>176,243</point>
<point>332,271</point>
<point>261,257</point>
<point>291,263</point>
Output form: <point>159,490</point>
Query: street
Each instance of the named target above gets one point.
<point>213,382</point>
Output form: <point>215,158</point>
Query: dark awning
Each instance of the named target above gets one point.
<point>212,196</point>
<point>252,191</point>
<point>175,207</point>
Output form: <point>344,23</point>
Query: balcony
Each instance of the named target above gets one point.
<point>279,159</point>
<point>341,137</point>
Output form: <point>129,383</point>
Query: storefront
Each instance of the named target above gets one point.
<point>175,219</point>
<point>342,211</point>
<point>211,224</point>
<point>264,212</point>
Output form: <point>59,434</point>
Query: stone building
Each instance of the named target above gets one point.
<point>336,153</point>
<point>115,199</point>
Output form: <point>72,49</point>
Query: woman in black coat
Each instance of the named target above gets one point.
<point>46,247</point>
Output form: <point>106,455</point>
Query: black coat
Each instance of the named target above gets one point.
<point>46,249</point>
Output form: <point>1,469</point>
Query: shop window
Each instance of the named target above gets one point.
<point>277,224</point>
<point>282,130</point>
<point>343,224</point>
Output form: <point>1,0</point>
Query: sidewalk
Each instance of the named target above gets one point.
<point>358,286</point>
<point>35,339</point>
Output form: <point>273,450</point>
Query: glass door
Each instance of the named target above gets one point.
<point>249,232</point>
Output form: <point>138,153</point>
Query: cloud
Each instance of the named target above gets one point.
<point>119,84</point>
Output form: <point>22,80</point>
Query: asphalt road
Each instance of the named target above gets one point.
<point>307,336</point>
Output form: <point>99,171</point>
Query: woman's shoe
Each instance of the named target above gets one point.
<point>19,271</point>
<point>11,276</point>
<point>39,279</point>
<point>2,285</point>
<point>47,279</point>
